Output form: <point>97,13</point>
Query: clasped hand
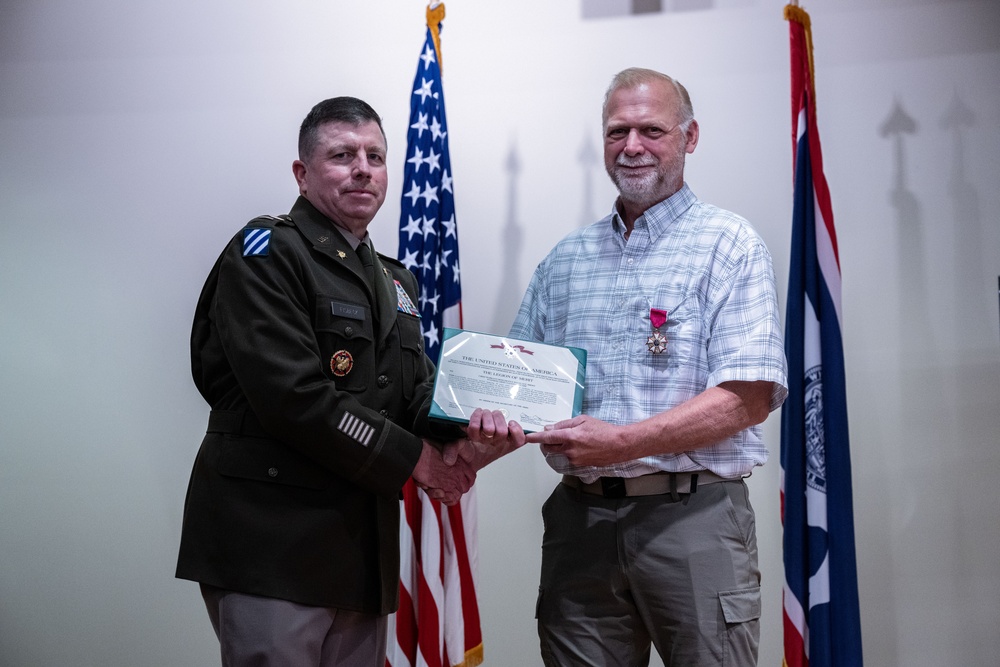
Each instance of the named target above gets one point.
<point>447,473</point>
<point>442,474</point>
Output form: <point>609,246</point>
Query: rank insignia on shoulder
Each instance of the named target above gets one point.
<point>341,363</point>
<point>404,303</point>
<point>256,242</point>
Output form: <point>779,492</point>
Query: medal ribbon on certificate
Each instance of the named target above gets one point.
<point>657,342</point>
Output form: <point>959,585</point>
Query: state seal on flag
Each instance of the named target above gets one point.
<point>815,439</point>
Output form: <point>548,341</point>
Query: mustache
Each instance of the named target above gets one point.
<point>638,161</point>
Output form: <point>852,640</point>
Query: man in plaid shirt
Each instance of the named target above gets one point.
<point>650,537</point>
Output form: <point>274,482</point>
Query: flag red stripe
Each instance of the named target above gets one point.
<point>406,626</point>
<point>795,651</point>
<point>470,608</point>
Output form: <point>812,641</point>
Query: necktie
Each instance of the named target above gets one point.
<point>365,253</point>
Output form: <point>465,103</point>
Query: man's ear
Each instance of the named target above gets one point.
<point>693,132</point>
<point>299,171</point>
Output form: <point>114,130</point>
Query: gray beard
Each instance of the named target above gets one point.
<point>648,189</point>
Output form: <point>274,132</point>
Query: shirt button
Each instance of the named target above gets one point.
<point>348,331</point>
<point>383,381</point>
<point>272,472</point>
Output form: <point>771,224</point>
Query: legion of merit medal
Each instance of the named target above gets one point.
<point>657,342</point>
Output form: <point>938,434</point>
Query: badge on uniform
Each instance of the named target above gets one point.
<point>404,303</point>
<point>657,342</point>
<point>341,363</point>
<point>256,242</point>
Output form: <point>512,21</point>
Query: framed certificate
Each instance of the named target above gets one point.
<point>532,383</point>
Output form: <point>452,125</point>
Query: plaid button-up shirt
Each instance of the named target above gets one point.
<point>712,273</point>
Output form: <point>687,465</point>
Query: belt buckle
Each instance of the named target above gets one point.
<point>613,487</point>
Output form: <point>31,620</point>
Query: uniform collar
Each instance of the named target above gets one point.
<point>335,242</point>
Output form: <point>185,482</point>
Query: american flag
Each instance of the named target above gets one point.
<point>428,231</point>
<point>437,624</point>
<point>820,602</point>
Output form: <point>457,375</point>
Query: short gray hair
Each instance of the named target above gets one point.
<point>635,76</point>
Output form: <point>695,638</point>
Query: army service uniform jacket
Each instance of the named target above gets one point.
<point>316,383</point>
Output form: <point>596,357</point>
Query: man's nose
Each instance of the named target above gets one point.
<point>633,143</point>
<point>362,168</point>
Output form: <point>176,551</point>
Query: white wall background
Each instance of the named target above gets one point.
<point>137,137</point>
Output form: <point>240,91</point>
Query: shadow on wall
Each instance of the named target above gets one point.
<point>588,158</point>
<point>942,384</point>
<point>509,288</point>
<point>966,303</point>
<point>912,286</point>
<point>970,327</point>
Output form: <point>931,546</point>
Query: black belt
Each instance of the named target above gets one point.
<point>675,484</point>
<point>238,422</point>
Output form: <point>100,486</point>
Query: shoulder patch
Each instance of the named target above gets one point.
<point>256,242</point>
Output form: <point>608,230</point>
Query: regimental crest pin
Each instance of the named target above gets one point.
<point>341,363</point>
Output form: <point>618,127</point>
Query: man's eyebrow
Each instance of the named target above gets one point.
<point>342,146</point>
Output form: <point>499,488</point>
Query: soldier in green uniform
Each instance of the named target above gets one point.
<point>308,349</point>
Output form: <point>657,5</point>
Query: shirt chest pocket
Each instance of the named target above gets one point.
<point>684,346</point>
<point>345,335</point>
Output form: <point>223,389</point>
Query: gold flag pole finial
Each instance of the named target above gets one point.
<point>435,14</point>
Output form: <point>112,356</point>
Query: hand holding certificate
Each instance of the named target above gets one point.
<point>532,383</point>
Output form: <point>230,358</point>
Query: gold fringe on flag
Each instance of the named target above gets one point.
<point>435,14</point>
<point>473,657</point>
<point>795,13</point>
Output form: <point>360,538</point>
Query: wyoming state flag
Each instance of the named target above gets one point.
<point>821,621</point>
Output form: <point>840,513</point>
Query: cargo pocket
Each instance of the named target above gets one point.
<point>741,635</point>
<point>740,606</point>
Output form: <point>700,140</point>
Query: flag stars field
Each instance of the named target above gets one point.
<point>424,91</point>
<point>420,125</point>
<point>428,234</point>
<point>414,226</point>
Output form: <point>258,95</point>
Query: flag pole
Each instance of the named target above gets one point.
<point>820,598</point>
<point>438,621</point>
